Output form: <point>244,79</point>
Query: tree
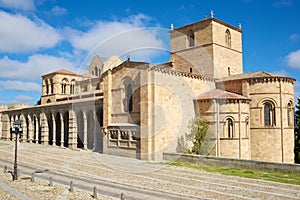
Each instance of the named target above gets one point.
<point>297,132</point>
<point>199,135</point>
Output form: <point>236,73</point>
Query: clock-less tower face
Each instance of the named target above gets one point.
<point>210,47</point>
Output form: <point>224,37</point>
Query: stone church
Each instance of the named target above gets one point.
<point>141,110</point>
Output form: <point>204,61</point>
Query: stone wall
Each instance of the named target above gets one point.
<point>234,163</point>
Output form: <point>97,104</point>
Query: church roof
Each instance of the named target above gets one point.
<point>220,94</point>
<point>63,71</point>
<point>250,75</point>
<point>209,20</point>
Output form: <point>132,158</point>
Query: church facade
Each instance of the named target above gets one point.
<point>141,110</point>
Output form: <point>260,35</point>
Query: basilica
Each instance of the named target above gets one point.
<point>141,110</point>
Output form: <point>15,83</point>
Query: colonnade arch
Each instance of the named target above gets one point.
<point>58,127</point>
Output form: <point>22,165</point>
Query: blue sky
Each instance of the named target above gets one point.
<point>41,36</point>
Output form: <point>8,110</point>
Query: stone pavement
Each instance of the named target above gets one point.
<point>113,175</point>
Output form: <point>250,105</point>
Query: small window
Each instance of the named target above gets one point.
<point>290,113</point>
<point>72,87</point>
<point>129,97</point>
<point>229,124</point>
<point>191,70</point>
<point>47,87</point>
<point>191,39</point>
<point>52,86</point>
<point>269,114</point>
<point>96,71</point>
<point>64,86</point>
<point>227,39</point>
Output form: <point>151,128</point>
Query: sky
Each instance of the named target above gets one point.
<point>40,36</point>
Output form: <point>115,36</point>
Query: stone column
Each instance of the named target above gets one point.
<point>61,130</point>
<point>94,131</point>
<point>36,130</point>
<point>72,130</point>
<point>24,127</point>
<point>44,129</point>
<point>53,131</point>
<point>84,131</point>
<point>30,129</point>
<point>5,127</point>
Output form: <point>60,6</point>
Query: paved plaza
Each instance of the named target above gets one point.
<point>113,175</point>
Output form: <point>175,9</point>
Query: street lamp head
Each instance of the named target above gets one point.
<point>17,127</point>
<point>17,123</point>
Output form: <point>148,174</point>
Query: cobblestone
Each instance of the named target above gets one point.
<point>113,175</point>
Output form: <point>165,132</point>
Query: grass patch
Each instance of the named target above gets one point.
<point>282,177</point>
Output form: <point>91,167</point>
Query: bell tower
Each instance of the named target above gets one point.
<point>209,47</point>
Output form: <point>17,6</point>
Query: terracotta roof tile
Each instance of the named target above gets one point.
<point>64,71</point>
<point>220,94</point>
<point>259,74</point>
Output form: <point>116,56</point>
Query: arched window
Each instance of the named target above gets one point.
<point>64,86</point>
<point>229,126</point>
<point>47,87</point>
<point>96,71</point>
<point>227,39</point>
<point>52,86</point>
<point>290,113</point>
<point>72,87</point>
<point>129,97</point>
<point>191,39</point>
<point>269,115</point>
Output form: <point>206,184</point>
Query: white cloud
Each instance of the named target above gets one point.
<point>20,86</point>
<point>21,34</point>
<point>119,38</point>
<point>33,68</point>
<point>18,4</point>
<point>56,10</point>
<point>293,59</point>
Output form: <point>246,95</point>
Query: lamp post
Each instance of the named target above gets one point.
<point>16,130</point>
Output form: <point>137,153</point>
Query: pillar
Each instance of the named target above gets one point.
<point>44,129</point>
<point>53,131</point>
<point>84,131</point>
<point>30,129</point>
<point>36,130</point>
<point>72,130</point>
<point>5,127</point>
<point>24,127</point>
<point>61,130</point>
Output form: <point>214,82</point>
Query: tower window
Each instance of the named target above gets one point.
<point>191,39</point>
<point>52,86</point>
<point>47,87</point>
<point>96,71</point>
<point>227,39</point>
